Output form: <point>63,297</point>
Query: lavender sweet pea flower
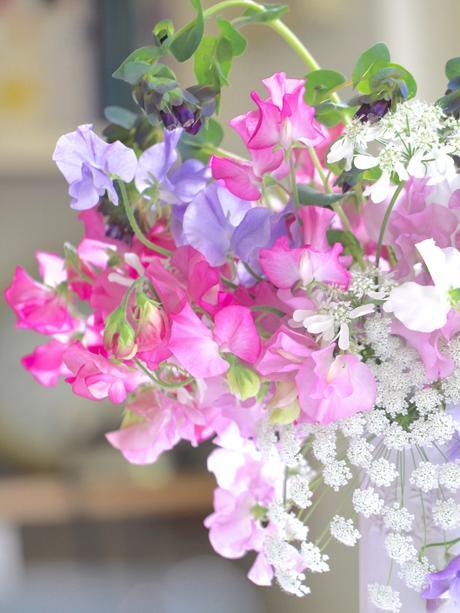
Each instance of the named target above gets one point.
<point>89,165</point>
<point>175,185</point>
<point>210,220</point>
<point>444,580</point>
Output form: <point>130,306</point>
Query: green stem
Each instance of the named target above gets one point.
<point>158,381</point>
<point>135,226</point>
<point>253,272</point>
<point>385,221</point>
<point>278,26</point>
<point>447,544</point>
<point>295,191</point>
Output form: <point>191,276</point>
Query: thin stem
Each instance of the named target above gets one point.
<point>158,381</point>
<point>135,226</point>
<point>253,272</point>
<point>447,544</point>
<point>385,221</point>
<point>295,191</point>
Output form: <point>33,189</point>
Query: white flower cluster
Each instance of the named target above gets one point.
<point>415,140</point>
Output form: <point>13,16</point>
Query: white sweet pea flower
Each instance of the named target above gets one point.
<point>355,137</point>
<point>424,308</point>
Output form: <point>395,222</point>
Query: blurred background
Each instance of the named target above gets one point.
<point>82,531</point>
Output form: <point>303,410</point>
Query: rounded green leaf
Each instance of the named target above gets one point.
<point>377,53</point>
<point>319,83</point>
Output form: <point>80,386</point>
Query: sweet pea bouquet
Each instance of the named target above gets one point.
<point>297,305</point>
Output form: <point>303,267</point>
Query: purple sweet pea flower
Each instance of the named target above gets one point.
<point>89,164</point>
<point>175,185</point>
<point>210,220</point>
<point>218,224</point>
<point>446,579</point>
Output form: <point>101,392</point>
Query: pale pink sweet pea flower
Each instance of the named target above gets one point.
<point>284,267</point>
<point>333,388</point>
<point>43,306</point>
<point>315,223</point>
<point>424,308</point>
<point>95,377</point>
<point>245,479</point>
<point>284,354</point>
<point>159,423</point>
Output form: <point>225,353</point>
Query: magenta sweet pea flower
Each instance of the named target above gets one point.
<point>43,306</point>
<point>284,117</point>
<point>95,377</point>
<point>89,165</point>
<point>46,363</point>
<point>331,388</point>
<point>284,267</point>
<point>444,580</point>
<point>280,121</point>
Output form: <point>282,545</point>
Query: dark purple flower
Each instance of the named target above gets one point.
<point>89,165</point>
<point>169,120</point>
<point>184,115</point>
<point>372,112</point>
<point>444,580</point>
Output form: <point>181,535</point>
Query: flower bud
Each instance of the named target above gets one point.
<point>184,115</point>
<point>119,336</point>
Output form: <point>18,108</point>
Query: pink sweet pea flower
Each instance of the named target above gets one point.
<point>281,120</point>
<point>285,353</point>
<point>158,424</point>
<point>46,363</point>
<point>235,332</point>
<point>315,223</point>
<point>198,349</point>
<point>95,377</point>
<point>41,306</point>
<point>284,117</point>
<point>331,388</point>
<point>284,267</point>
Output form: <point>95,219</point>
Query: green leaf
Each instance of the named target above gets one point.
<point>285,415</point>
<point>319,83</point>
<point>351,245</point>
<point>391,77</point>
<point>270,13</point>
<point>453,68</point>
<point>120,116</point>
<point>186,41</point>
<point>309,196</point>
<point>331,114</point>
<point>236,39</point>
<point>137,64</point>
<point>205,70</point>
<point>241,379</point>
<point>377,53</point>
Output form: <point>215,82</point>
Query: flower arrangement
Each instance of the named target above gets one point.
<point>298,305</point>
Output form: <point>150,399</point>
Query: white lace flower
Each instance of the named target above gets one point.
<point>367,502</point>
<point>446,514</point>
<point>384,597</point>
<point>313,559</point>
<point>400,548</point>
<point>344,531</point>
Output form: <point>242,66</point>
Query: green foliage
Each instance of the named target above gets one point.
<point>186,41</point>
<point>377,54</point>
<point>310,196</point>
<point>137,64</point>
<point>320,83</point>
<point>453,68</point>
<point>285,415</point>
<point>351,245</point>
<point>392,78</point>
<point>214,56</point>
<point>331,114</point>
<point>120,117</point>
<point>270,13</point>
<point>242,380</point>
